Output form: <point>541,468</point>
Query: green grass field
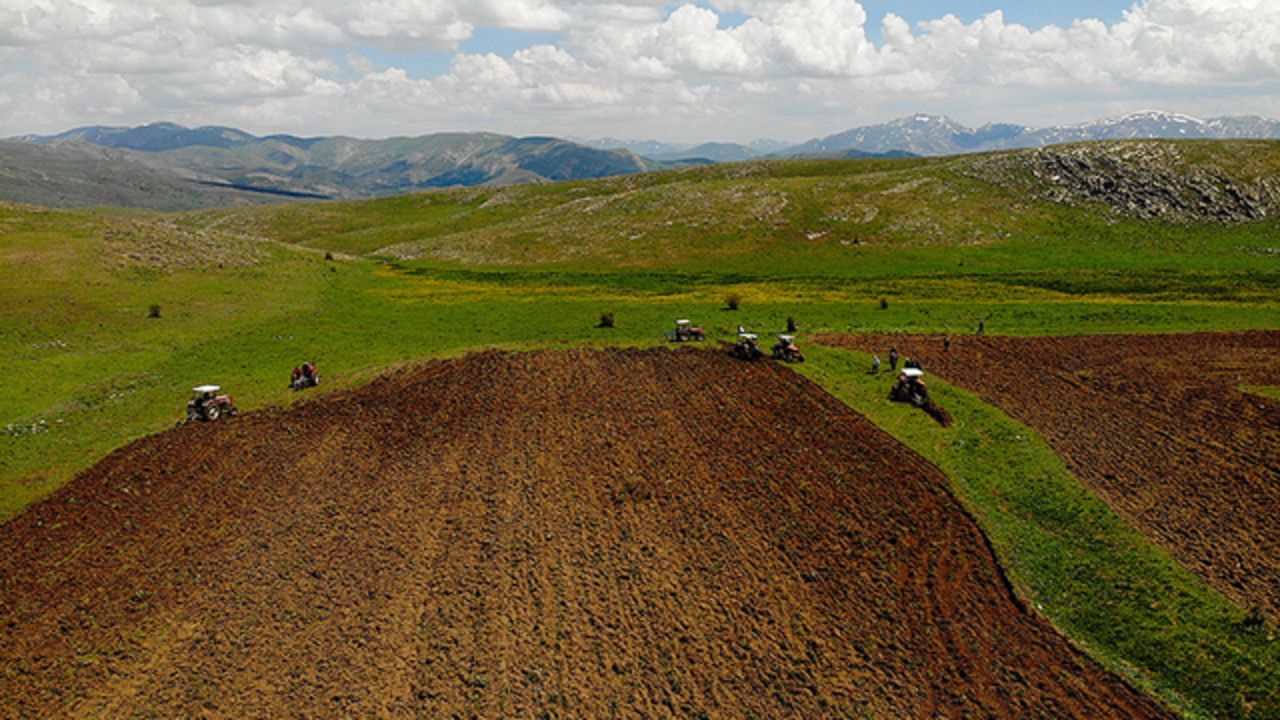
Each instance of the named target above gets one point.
<point>918,245</point>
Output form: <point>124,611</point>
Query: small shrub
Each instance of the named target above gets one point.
<point>791,324</point>
<point>606,320</point>
<point>884,303</point>
<point>733,301</point>
<point>1255,621</point>
<point>328,256</point>
<point>153,311</point>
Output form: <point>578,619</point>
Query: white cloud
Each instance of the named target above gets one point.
<point>794,66</point>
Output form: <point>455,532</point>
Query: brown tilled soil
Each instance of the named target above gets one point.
<point>572,534</point>
<point>1156,425</point>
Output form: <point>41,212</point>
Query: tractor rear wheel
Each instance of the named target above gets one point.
<point>212,412</point>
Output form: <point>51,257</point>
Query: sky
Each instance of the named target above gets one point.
<point>724,70</point>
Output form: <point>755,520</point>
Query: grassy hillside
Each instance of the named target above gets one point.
<point>806,222</point>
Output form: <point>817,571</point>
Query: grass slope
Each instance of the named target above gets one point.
<point>908,229</point>
<point>1129,602</point>
<point>1268,391</point>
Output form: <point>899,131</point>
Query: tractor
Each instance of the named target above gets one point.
<point>910,388</point>
<point>785,350</point>
<point>747,347</point>
<point>207,405</point>
<point>686,332</point>
<point>304,376</point>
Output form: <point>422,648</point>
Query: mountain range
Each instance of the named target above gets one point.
<point>934,135</point>
<point>341,167</point>
<point>682,152</point>
<point>171,167</point>
<point>940,135</point>
<point>82,174</point>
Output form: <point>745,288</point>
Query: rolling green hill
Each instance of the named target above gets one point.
<point>977,219</point>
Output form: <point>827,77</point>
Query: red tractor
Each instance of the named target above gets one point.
<point>910,388</point>
<point>747,347</point>
<point>686,332</point>
<point>207,405</point>
<point>304,376</point>
<point>785,350</point>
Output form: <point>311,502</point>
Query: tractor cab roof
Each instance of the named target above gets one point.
<point>682,322</point>
<point>748,336</point>
<point>912,372</point>
<point>786,338</point>
<point>202,389</point>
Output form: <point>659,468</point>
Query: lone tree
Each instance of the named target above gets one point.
<point>153,311</point>
<point>606,320</point>
<point>732,301</point>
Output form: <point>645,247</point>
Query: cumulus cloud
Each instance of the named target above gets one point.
<point>791,64</point>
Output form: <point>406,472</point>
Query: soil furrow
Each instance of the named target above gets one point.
<point>614,533</point>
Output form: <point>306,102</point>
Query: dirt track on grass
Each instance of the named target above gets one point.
<point>570,534</point>
<point>1156,425</point>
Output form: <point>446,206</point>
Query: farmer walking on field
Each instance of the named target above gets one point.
<point>875,365</point>
<point>893,359</point>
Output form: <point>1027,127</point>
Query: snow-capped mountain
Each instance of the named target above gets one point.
<point>937,135</point>
<point>919,134</point>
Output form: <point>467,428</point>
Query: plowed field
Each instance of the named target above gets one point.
<point>1156,425</point>
<point>572,534</point>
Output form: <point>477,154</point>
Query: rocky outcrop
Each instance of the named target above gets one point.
<point>1144,180</point>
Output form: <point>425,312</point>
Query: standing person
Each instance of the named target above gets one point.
<point>893,359</point>
<point>982,326</point>
<point>875,364</point>
<point>946,343</point>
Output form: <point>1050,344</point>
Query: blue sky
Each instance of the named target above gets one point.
<point>428,64</point>
<point>625,68</point>
<point>1031,14</point>
<point>505,41</point>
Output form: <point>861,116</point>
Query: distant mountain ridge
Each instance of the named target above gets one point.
<point>169,166</point>
<point>343,167</point>
<point>80,174</point>
<point>677,152</point>
<point>940,135</point>
<point>933,135</point>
